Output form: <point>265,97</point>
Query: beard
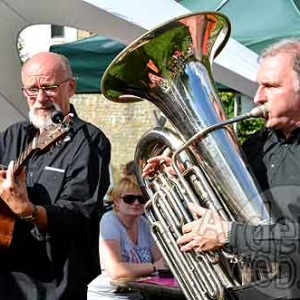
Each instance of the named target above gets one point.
<point>41,119</point>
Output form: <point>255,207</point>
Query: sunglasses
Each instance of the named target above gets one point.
<point>130,199</point>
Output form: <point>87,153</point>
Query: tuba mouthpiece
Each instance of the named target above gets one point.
<point>260,111</point>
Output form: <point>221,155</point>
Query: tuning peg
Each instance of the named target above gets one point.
<point>57,117</point>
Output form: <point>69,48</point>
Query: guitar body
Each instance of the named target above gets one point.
<point>7,224</point>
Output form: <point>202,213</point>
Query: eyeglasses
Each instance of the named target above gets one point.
<point>48,90</point>
<point>130,199</point>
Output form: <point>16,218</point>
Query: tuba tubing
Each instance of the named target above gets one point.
<point>170,66</point>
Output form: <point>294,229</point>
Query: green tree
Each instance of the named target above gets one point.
<point>244,128</point>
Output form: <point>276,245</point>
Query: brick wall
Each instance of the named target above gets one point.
<point>123,124</point>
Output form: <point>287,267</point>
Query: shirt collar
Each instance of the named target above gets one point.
<point>293,137</point>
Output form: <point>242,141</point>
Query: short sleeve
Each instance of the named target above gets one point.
<point>109,227</point>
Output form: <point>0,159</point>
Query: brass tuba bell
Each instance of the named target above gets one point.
<point>170,66</point>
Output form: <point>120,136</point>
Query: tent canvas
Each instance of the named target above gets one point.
<point>268,25</point>
<point>15,15</point>
<point>109,18</point>
<point>256,23</point>
<point>89,59</point>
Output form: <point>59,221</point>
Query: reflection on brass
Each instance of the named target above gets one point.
<point>170,66</point>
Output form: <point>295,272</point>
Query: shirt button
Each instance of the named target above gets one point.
<point>272,166</point>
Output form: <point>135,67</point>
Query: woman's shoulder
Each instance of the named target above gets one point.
<point>110,226</point>
<point>109,216</point>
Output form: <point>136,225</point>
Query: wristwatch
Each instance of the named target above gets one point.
<point>30,217</point>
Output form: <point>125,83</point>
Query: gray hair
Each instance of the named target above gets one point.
<point>290,45</point>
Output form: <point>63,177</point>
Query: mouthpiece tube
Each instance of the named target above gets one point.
<point>260,111</point>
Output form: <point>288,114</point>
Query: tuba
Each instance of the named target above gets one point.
<point>170,66</point>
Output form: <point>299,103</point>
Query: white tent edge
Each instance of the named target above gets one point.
<point>234,67</point>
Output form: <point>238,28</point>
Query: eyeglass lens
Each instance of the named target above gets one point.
<point>130,199</point>
<point>49,90</point>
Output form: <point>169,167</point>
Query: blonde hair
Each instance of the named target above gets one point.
<point>125,184</point>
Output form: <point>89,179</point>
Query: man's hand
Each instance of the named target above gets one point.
<point>158,163</point>
<point>13,191</point>
<point>205,234</point>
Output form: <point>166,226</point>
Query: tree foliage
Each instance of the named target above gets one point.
<point>244,128</point>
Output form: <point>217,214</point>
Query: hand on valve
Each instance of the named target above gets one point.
<point>209,232</point>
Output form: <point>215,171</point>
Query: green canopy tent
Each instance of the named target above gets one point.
<point>255,24</point>
<point>89,58</point>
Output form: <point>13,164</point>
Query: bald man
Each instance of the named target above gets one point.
<point>55,197</point>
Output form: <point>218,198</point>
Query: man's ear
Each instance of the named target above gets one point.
<point>72,87</point>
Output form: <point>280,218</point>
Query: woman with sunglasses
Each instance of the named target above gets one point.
<point>127,248</point>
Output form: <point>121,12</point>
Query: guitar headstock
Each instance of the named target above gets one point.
<point>53,134</point>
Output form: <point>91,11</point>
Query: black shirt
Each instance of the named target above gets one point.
<point>275,162</point>
<point>69,181</point>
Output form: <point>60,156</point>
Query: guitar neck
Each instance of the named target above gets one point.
<point>43,141</point>
<point>18,163</point>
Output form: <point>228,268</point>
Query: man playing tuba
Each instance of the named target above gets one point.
<point>274,156</point>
